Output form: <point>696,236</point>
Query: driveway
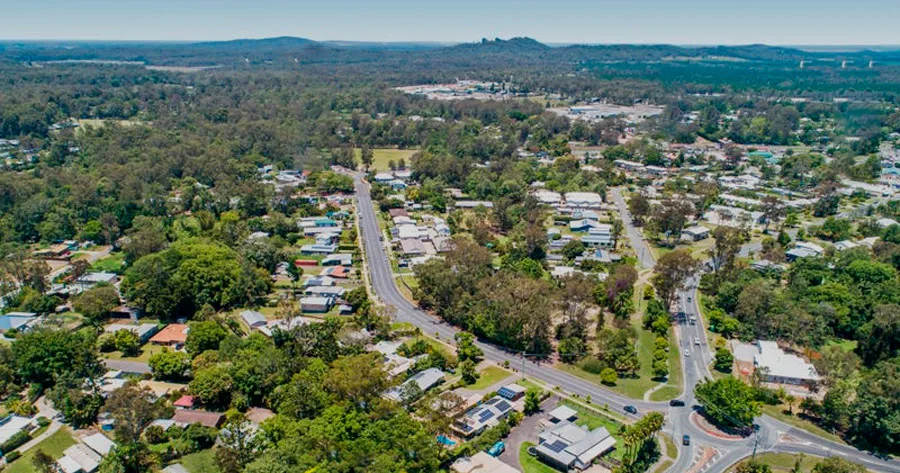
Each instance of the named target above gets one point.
<point>135,367</point>
<point>526,431</point>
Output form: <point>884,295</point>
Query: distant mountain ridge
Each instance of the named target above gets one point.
<point>518,49</point>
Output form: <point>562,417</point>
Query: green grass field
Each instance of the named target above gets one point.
<point>112,263</point>
<point>382,156</point>
<point>200,462</point>
<point>636,387</point>
<point>147,351</point>
<point>784,462</point>
<point>777,412</point>
<point>54,446</point>
<point>488,377</point>
<point>531,464</point>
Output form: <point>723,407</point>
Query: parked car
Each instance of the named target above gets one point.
<point>631,409</point>
<point>496,449</point>
<point>676,403</point>
<point>686,440</point>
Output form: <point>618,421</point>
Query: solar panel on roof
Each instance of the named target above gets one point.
<point>506,392</point>
<point>503,406</point>
<point>485,416</point>
<point>557,446</point>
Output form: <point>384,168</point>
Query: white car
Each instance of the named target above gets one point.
<point>696,340</point>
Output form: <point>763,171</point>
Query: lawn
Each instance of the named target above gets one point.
<point>531,464</point>
<point>112,263</point>
<point>800,423</point>
<point>636,387</point>
<point>147,351</point>
<point>54,446</point>
<point>784,462</point>
<point>673,386</point>
<point>592,420</point>
<point>531,385</point>
<point>382,156</point>
<point>201,462</point>
<point>488,377</point>
<point>671,448</point>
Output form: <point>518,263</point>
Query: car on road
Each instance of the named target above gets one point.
<point>496,449</point>
<point>631,409</point>
<point>676,403</point>
<point>690,299</point>
<point>696,340</point>
<point>686,440</point>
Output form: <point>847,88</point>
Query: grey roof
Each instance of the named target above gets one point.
<point>425,380</point>
<point>253,318</point>
<point>568,443</point>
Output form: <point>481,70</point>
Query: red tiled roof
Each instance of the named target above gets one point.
<point>185,401</point>
<point>172,333</point>
<point>208,419</point>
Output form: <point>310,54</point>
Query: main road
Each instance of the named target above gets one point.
<point>696,357</point>
<point>385,288</point>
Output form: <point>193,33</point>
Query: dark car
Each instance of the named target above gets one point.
<point>631,409</point>
<point>686,440</point>
<point>676,403</point>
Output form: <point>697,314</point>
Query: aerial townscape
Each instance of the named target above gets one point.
<point>502,256</point>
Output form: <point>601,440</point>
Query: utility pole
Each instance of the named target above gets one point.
<point>523,364</point>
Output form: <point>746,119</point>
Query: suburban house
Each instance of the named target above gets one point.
<point>186,417</point>
<point>79,458</point>
<point>339,272</point>
<point>583,200</point>
<point>13,424</point>
<point>286,325</point>
<point>563,413</point>
<point>253,319</point>
<point>20,321</point>
<point>548,197</point>
<point>172,335</point>
<point>599,235</point>
<point>325,291</point>
<point>481,462</point>
<point>695,233</point>
<point>424,380</point>
<point>384,177</point>
<point>318,249</point>
<point>777,366</point>
<point>483,416</point>
<point>99,443</point>
<point>512,392</point>
<point>412,247</point>
<point>185,402</point>
<point>339,259</point>
<point>90,280</point>
<point>143,331</point>
<point>57,251</point>
<point>568,446</point>
<point>804,249</point>
<point>316,304</point>
<point>582,225</point>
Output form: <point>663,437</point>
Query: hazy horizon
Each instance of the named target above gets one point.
<point>691,22</point>
<point>834,47</point>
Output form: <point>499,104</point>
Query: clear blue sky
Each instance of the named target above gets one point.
<point>569,21</point>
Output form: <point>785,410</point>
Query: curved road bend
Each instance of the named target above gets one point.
<point>697,357</point>
<point>384,286</point>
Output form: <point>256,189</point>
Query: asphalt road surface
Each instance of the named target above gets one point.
<point>696,359</point>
